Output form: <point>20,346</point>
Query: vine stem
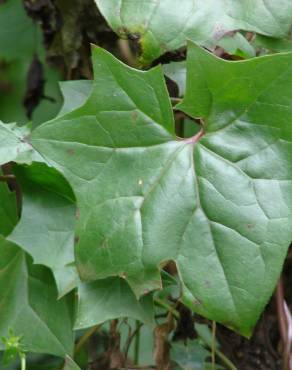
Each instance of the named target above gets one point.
<point>165,305</point>
<point>213,349</point>
<point>226,360</point>
<point>137,343</point>
<point>85,338</point>
<point>222,357</point>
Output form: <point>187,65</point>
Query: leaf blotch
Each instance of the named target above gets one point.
<point>70,151</point>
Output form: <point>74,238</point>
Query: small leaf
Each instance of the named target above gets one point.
<point>13,348</point>
<point>189,356</point>
<point>110,299</point>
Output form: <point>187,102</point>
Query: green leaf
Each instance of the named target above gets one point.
<point>14,145</point>
<point>218,205</point>
<point>189,356</point>
<point>29,306</point>
<point>110,299</point>
<point>46,227</point>
<point>164,25</point>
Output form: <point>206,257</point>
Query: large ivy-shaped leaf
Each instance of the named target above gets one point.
<point>219,205</point>
<point>29,306</point>
<point>204,22</point>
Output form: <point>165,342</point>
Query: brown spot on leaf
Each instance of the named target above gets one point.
<point>70,151</point>
<point>197,302</point>
<point>207,284</point>
<point>134,116</point>
<point>77,213</point>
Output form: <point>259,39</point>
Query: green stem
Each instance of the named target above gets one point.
<point>225,360</point>
<point>213,349</point>
<point>85,338</point>
<point>218,353</point>
<point>169,308</point>
<point>137,343</point>
<point>23,361</point>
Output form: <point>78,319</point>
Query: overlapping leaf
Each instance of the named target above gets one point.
<point>29,305</point>
<point>46,227</point>
<point>28,300</point>
<point>215,206</point>
<point>110,299</point>
<point>164,25</point>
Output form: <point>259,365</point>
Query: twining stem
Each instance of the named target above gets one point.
<point>168,307</point>
<point>219,354</point>
<point>137,343</point>
<point>213,349</point>
<point>85,338</point>
<point>225,360</point>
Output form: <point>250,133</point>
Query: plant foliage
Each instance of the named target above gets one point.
<point>105,195</point>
